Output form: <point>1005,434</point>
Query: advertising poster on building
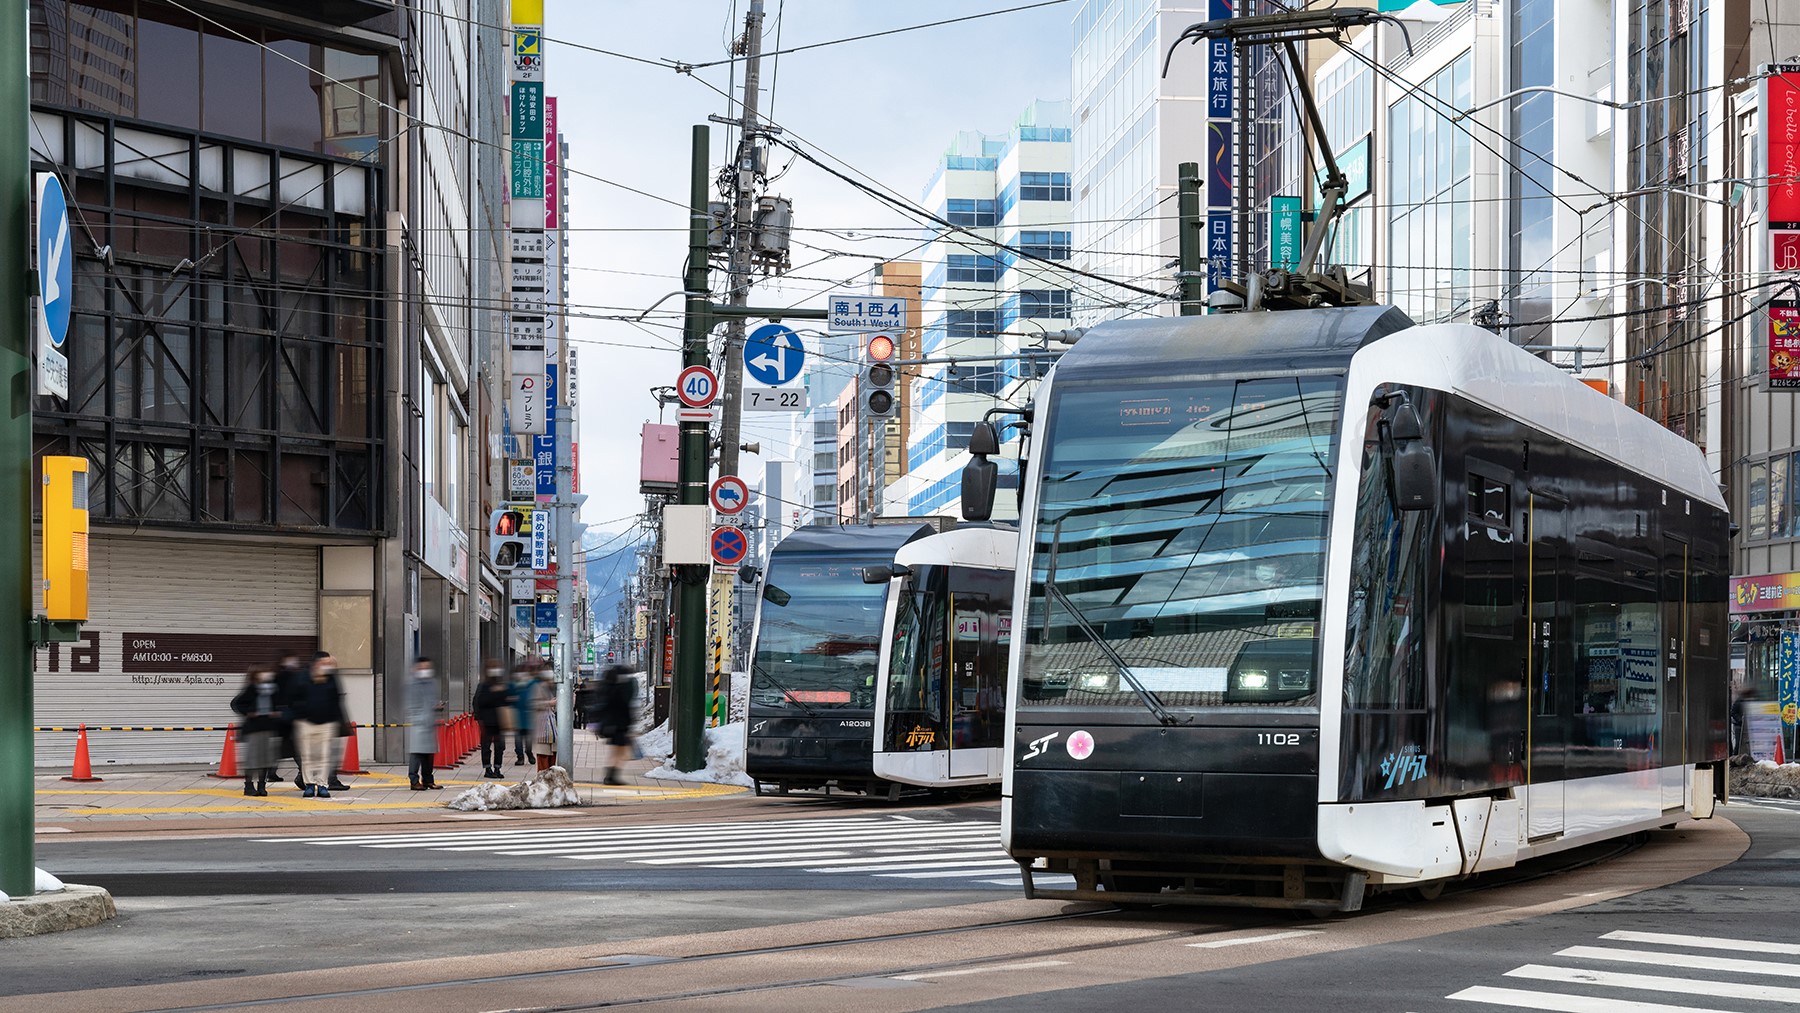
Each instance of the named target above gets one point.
<point>1785,687</point>
<point>1784,345</point>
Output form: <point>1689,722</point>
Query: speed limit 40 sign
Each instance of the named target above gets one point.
<point>698,388</point>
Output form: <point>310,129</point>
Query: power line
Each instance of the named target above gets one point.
<point>688,68</point>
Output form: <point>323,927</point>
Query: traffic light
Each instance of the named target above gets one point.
<point>877,388</point>
<point>509,546</point>
<point>66,538</point>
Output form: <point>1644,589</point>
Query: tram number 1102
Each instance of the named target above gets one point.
<point>1277,738</point>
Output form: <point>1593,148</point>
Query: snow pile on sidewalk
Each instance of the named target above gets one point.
<point>547,789</point>
<point>1765,779</point>
<point>724,755</point>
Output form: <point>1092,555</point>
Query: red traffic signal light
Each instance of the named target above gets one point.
<point>880,348</point>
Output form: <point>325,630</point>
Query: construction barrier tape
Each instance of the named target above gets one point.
<point>170,728</point>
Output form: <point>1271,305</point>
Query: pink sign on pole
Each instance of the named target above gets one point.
<point>552,164</point>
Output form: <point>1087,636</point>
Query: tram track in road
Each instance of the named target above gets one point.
<point>625,962</point>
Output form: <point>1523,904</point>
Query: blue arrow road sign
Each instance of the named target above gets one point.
<point>729,546</point>
<point>54,265</point>
<point>773,354</point>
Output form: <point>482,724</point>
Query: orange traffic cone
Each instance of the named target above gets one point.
<point>351,764</point>
<point>444,761</point>
<point>228,759</point>
<point>83,771</point>
<point>1779,758</point>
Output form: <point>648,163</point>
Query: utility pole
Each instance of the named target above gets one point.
<point>18,876</point>
<point>688,685</point>
<point>688,706</point>
<point>743,242</point>
<point>1192,275</point>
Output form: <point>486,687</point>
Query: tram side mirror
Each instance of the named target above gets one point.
<point>1414,466</point>
<point>980,476</point>
<point>881,573</point>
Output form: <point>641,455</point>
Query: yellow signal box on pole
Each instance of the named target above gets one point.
<point>66,538</point>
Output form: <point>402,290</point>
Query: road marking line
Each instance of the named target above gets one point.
<point>705,861</point>
<point>934,875</point>
<point>986,858</point>
<point>729,850</point>
<point>1214,944</point>
<point>1704,942</point>
<point>1657,983</point>
<point>876,836</point>
<point>938,858</point>
<point>1025,966</point>
<point>657,830</point>
<point>1688,960</point>
<point>1561,1003</point>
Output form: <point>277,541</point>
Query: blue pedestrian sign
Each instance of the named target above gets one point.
<point>773,355</point>
<point>56,276</point>
<point>729,546</point>
<point>54,265</point>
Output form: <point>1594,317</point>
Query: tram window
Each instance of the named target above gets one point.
<point>1596,644</point>
<point>1385,663</point>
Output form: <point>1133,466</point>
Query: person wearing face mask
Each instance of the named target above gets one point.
<point>318,710</point>
<point>492,697</point>
<point>258,704</point>
<point>424,709</point>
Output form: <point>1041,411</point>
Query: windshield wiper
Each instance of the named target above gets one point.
<point>1154,705</point>
<point>758,670</point>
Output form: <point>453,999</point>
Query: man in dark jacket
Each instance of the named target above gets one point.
<point>318,710</point>
<point>492,697</point>
<point>290,679</point>
<point>614,716</point>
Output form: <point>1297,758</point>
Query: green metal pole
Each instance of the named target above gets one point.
<point>690,595</point>
<point>1191,231</point>
<point>17,864</point>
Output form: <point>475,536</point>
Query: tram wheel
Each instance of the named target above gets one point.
<point>1426,891</point>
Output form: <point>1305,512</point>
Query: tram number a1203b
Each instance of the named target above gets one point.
<point>1277,738</point>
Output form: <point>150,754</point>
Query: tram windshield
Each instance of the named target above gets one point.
<point>820,635</point>
<point>1179,554</point>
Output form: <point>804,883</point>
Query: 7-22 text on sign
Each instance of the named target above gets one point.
<point>774,399</point>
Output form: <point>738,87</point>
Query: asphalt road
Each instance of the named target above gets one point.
<point>553,897</point>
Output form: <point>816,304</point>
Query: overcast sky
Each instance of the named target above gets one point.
<point>888,107</point>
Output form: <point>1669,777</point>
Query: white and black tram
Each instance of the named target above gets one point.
<point>1319,601</point>
<point>940,698</point>
<point>813,659</point>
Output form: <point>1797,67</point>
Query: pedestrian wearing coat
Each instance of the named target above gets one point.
<point>318,710</point>
<point>614,716</point>
<point>258,705</point>
<point>290,680</point>
<point>524,697</point>
<point>424,711</point>
<point>492,697</point>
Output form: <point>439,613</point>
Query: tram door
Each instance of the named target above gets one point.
<point>1672,741</point>
<point>976,727</point>
<point>1549,663</point>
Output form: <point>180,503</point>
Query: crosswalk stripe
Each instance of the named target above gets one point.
<point>1658,983</point>
<point>728,849</point>
<point>764,864</point>
<point>891,846</point>
<point>987,859</point>
<point>437,843</point>
<point>944,874</point>
<point>1561,1003</point>
<point>637,829</point>
<point>1704,942</point>
<point>1688,960</point>
<point>714,843</point>
<point>724,849</point>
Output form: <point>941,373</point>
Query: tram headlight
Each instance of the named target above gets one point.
<point>1272,671</point>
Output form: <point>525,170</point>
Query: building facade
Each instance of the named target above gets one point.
<point>993,290</point>
<point>270,370</point>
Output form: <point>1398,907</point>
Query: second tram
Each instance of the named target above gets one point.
<point>940,699</point>
<point>1319,602</point>
<point>814,654</point>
